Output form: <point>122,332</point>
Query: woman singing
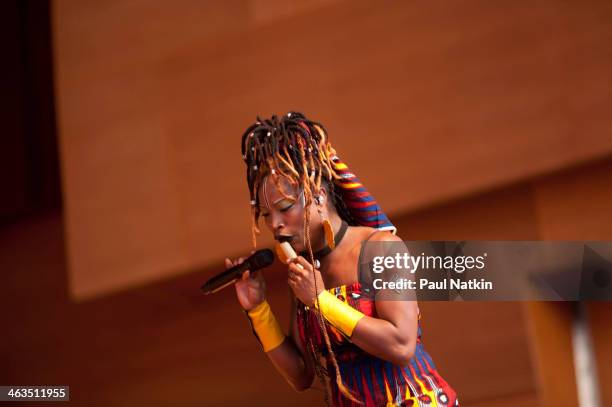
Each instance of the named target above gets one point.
<point>366,350</point>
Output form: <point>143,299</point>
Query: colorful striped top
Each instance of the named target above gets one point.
<point>375,381</point>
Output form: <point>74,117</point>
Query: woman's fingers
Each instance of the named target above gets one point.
<point>297,275</point>
<point>295,270</point>
<point>303,262</point>
<point>233,263</point>
<point>253,275</point>
<point>292,280</point>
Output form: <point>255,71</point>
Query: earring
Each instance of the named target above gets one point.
<point>327,227</point>
<point>329,234</point>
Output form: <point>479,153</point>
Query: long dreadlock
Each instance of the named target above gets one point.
<point>298,149</point>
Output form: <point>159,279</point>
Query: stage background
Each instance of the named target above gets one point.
<point>123,185</point>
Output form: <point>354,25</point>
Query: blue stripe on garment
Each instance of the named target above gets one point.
<point>362,199</point>
<point>358,374</point>
<point>368,376</point>
<point>379,376</point>
<point>428,358</point>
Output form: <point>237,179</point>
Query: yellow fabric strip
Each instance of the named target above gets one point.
<point>265,326</point>
<point>352,185</point>
<point>338,313</point>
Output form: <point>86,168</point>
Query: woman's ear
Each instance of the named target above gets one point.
<point>321,197</point>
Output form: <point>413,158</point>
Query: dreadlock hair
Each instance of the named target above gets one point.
<point>338,202</point>
<point>298,149</point>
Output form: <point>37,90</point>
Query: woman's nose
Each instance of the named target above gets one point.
<point>277,222</point>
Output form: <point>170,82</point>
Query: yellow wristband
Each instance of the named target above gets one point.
<point>338,313</point>
<point>265,326</point>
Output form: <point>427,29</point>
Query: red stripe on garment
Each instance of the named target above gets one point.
<point>359,204</point>
<point>366,390</point>
<point>357,194</point>
<point>434,372</point>
<point>416,383</point>
<point>423,375</point>
<point>367,214</point>
<point>387,383</point>
<point>377,389</point>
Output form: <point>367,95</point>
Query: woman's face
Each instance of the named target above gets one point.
<point>284,214</point>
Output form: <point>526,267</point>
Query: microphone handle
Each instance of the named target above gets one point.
<point>224,279</point>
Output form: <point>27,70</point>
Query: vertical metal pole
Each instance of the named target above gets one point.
<point>585,364</point>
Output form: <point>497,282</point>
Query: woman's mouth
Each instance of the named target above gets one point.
<point>284,238</point>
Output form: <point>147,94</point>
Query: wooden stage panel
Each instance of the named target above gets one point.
<point>427,102</point>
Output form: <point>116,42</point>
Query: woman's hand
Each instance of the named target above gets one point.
<point>302,281</point>
<point>250,289</point>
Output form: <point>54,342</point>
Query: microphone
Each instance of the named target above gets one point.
<point>258,260</point>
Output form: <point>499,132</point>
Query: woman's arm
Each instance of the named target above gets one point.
<point>286,353</point>
<point>291,359</point>
<point>392,336</point>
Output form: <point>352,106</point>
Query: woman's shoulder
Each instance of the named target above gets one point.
<point>361,234</point>
<point>365,233</point>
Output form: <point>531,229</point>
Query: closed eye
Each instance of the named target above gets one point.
<point>286,208</point>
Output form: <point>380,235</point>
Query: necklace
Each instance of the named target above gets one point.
<point>319,254</point>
